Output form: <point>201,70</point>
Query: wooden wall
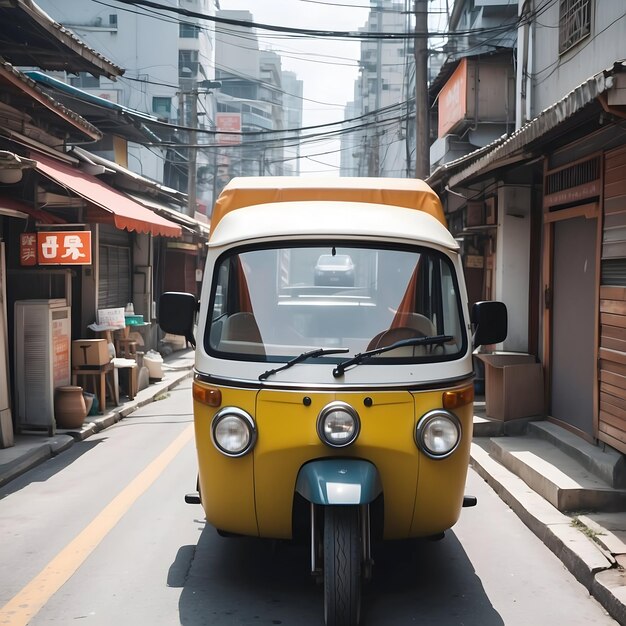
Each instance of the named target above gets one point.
<point>612,352</point>
<point>180,271</point>
<point>612,414</point>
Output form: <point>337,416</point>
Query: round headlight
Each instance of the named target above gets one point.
<point>338,424</point>
<point>233,431</point>
<point>438,434</point>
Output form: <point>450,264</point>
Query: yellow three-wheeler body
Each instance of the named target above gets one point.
<point>254,495</point>
<point>333,392</point>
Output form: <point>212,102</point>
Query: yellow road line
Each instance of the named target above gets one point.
<point>29,601</point>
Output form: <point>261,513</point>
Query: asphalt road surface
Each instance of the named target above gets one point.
<point>101,536</point>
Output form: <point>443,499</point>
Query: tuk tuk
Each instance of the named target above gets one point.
<point>333,381</point>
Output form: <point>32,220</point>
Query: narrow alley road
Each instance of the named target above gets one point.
<point>100,535</point>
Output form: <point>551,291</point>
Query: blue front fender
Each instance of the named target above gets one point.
<point>339,481</point>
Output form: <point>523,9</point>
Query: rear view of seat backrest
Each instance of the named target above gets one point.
<point>239,331</point>
<point>420,323</point>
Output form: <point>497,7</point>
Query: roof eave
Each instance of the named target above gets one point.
<point>27,86</point>
<point>505,148</point>
<point>101,66</point>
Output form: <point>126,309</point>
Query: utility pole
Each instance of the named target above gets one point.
<point>192,151</point>
<point>422,122</point>
<point>193,155</point>
<point>374,159</point>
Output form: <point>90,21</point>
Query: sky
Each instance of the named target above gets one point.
<point>328,68</point>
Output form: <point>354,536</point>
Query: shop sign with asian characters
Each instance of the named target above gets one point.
<point>56,248</point>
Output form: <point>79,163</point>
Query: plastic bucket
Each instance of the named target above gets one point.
<point>154,362</point>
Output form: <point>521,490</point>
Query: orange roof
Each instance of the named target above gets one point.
<point>403,192</point>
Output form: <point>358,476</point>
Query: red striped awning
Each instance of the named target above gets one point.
<point>111,205</point>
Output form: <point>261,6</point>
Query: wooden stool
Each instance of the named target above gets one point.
<point>126,349</point>
<point>99,381</point>
<point>128,378</point>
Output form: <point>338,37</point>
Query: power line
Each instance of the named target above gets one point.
<point>284,141</point>
<point>306,32</point>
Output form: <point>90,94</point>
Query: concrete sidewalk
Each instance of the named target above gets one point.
<point>591,546</point>
<point>31,449</point>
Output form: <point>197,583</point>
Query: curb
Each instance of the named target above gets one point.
<point>27,454</point>
<point>20,461</point>
<point>593,567</point>
<point>99,423</point>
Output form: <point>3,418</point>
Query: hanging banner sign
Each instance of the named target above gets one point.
<point>228,123</point>
<point>56,248</point>
<point>28,249</point>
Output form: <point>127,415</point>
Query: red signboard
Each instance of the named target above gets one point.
<point>64,247</point>
<point>453,99</point>
<point>28,249</point>
<point>231,123</point>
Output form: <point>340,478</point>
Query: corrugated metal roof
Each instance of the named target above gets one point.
<point>26,88</point>
<point>30,37</point>
<point>156,191</point>
<point>109,117</point>
<point>459,170</point>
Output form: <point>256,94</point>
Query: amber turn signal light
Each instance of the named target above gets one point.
<point>459,397</point>
<point>210,396</point>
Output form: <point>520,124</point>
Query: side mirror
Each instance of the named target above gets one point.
<point>177,314</point>
<point>490,322</point>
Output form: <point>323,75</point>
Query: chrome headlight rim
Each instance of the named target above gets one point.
<point>428,419</point>
<point>245,418</point>
<point>338,405</point>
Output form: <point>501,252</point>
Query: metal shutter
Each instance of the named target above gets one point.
<point>114,286</point>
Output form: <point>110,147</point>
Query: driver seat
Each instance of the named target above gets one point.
<point>391,335</point>
<point>241,328</point>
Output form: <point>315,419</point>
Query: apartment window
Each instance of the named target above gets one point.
<point>574,22</point>
<point>162,106</point>
<point>188,31</point>
<point>188,63</point>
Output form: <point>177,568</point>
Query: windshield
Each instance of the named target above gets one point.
<point>274,304</point>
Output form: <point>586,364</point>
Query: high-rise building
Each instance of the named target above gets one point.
<point>167,61</point>
<point>380,107</point>
<point>258,98</point>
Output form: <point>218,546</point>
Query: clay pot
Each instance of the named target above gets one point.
<point>69,407</point>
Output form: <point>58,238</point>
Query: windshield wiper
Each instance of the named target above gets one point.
<point>415,341</point>
<point>311,354</point>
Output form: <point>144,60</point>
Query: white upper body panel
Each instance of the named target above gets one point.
<point>321,219</point>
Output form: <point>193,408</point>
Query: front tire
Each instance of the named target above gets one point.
<point>342,566</point>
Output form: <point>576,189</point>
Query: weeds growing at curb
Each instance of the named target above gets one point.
<point>585,530</point>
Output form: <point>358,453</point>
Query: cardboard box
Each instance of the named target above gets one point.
<point>513,385</point>
<point>89,352</point>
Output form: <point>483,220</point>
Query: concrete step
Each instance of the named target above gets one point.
<point>491,427</point>
<point>554,474</point>
<point>604,462</point>
<point>486,427</point>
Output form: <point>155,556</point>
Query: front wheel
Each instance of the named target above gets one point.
<point>342,566</point>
